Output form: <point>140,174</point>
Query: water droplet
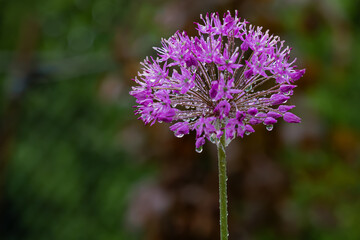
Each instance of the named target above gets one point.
<point>269,127</point>
<point>199,149</point>
<point>179,135</point>
<point>213,138</point>
<point>248,88</point>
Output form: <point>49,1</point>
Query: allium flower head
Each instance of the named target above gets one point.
<point>229,78</point>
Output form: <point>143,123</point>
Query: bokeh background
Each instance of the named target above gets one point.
<point>76,164</point>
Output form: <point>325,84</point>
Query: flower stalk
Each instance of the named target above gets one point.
<point>222,189</point>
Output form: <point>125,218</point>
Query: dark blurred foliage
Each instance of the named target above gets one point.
<point>76,164</point>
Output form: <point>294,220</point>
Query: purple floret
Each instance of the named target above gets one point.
<point>270,120</point>
<point>291,118</point>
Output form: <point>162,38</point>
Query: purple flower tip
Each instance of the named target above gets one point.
<point>167,116</point>
<point>291,118</point>
<point>191,61</point>
<point>285,108</point>
<point>180,128</point>
<point>214,89</point>
<point>273,114</point>
<point>254,121</point>
<point>249,128</point>
<point>222,109</point>
<point>260,115</point>
<point>244,46</point>
<point>199,142</point>
<point>248,73</point>
<point>279,99</point>
<point>270,120</point>
<point>297,74</point>
<point>285,88</point>
<point>252,111</point>
<point>240,116</point>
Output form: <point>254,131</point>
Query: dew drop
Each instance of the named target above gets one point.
<point>199,149</point>
<point>213,138</point>
<point>248,88</point>
<point>179,135</point>
<point>269,127</point>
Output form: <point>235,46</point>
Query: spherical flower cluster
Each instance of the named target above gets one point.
<point>228,79</point>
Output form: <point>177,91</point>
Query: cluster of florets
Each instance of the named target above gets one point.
<point>229,78</point>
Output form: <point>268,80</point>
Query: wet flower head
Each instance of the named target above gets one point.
<point>228,79</point>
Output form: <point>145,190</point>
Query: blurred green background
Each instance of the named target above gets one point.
<point>76,164</point>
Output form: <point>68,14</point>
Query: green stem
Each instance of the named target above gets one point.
<point>222,189</point>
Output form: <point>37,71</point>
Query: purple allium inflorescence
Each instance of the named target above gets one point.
<point>229,78</point>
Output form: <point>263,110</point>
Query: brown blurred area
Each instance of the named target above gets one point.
<point>294,182</point>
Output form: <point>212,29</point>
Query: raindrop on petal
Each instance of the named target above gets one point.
<point>269,127</point>
<point>179,135</point>
<point>199,149</point>
<point>248,88</point>
<point>213,138</point>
